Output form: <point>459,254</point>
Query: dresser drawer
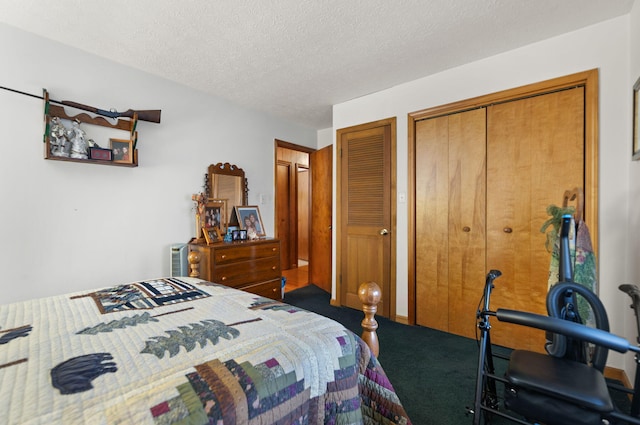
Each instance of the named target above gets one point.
<point>271,289</point>
<point>236,253</point>
<point>238,274</point>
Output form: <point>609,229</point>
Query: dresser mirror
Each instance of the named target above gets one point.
<point>227,181</point>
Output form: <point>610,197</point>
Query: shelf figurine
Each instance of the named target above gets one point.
<point>79,146</point>
<point>60,144</point>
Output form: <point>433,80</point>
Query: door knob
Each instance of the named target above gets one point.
<point>384,232</point>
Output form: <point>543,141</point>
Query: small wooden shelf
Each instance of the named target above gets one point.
<point>97,161</point>
<point>123,124</point>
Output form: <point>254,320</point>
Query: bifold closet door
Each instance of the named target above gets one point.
<point>450,220</point>
<point>484,179</point>
<point>535,151</point>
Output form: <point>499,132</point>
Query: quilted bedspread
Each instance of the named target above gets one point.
<point>181,350</point>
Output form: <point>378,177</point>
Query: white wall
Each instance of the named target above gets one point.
<point>68,226</point>
<point>633,194</point>
<point>604,46</point>
<point>325,137</point>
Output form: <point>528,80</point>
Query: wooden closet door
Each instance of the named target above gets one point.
<point>535,151</point>
<point>450,220</point>
<point>432,223</point>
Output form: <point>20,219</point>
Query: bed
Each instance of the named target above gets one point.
<point>182,350</point>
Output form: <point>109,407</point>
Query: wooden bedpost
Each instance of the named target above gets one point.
<point>369,295</point>
<point>194,263</point>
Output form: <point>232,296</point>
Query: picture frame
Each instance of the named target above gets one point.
<point>122,150</point>
<point>215,214</point>
<point>211,234</point>
<point>635,152</point>
<point>100,154</point>
<point>249,219</point>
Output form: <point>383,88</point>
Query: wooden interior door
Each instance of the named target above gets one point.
<point>303,197</point>
<point>320,244</point>
<point>290,195</point>
<point>535,151</point>
<point>283,214</point>
<point>450,220</point>
<point>366,229</point>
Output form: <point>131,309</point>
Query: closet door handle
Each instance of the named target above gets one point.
<point>384,232</point>
<point>507,230</point>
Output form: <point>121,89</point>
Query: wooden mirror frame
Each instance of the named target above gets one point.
<point>226,181</point>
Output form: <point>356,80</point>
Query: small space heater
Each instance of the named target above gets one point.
<point>179,261</point>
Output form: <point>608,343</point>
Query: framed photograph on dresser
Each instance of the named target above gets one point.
<point>211,235</point>
<point>214,214</point>
<point>250,220</point>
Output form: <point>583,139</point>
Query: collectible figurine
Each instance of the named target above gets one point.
<point>79,146</point>
<point>58,139</point>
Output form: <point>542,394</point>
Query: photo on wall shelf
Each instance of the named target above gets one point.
<point>122,150</point>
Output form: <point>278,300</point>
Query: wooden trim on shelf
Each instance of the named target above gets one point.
<point>120,124</point>
<point>128,125</point>
<point>96,161</point>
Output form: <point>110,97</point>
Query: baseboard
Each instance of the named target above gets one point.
<point>402,319</point>
<point>617,374</point>
<point>609,372</point>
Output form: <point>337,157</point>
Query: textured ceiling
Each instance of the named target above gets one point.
<point>292,58</point>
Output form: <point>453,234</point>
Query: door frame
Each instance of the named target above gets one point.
<point>293,194</point>
<point>587,79</point>
<point>391,122</point>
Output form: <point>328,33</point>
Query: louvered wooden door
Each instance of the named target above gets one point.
<point>365,216</point>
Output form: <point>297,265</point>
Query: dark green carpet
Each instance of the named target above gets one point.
<point>432,372</point>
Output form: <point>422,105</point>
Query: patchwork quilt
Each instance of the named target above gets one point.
<point>182,350</point>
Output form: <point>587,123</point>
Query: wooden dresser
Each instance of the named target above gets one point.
<point>253,266</point>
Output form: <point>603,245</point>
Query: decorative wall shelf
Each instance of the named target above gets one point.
<point>51,111</point>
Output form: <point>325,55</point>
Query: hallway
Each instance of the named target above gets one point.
<point>296,278</point>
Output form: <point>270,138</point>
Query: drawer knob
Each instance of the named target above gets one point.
<point>274,249</point>
<point>273,267</point>
<point>466,229</point>
<point>223,256</point>
<point>224,278</point>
